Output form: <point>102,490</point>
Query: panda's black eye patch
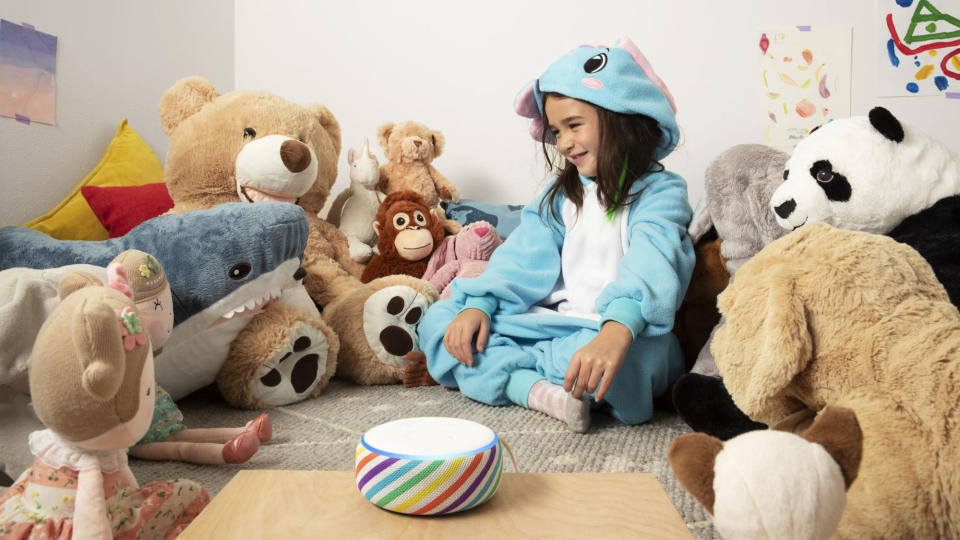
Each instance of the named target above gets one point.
<point>786,174</point>
<point>834,184</point>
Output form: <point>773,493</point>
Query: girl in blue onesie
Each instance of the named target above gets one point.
<point>580,299</point>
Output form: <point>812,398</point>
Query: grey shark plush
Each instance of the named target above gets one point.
<point>223,264</point>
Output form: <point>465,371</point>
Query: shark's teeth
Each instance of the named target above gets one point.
<point>253,304</point>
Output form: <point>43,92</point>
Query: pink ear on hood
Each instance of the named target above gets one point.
<point>444,253</point>
<point>525,105</point>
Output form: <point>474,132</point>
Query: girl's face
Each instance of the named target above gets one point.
<point>576,126</point>
<point>156,315</point>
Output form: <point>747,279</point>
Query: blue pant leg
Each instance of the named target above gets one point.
<point>652,364</point>
<point>486,380</point>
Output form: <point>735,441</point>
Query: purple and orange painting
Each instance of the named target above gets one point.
<point>28,66</point>
<point>804,76</point>
<point>919,48</point>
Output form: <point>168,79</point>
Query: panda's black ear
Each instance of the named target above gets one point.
<point>884,122</point>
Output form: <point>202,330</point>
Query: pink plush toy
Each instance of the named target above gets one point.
<point>464,254</point>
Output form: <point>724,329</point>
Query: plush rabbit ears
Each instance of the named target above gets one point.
<point>618,78</point>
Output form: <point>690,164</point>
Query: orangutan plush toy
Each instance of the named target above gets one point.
<point>407,233</point>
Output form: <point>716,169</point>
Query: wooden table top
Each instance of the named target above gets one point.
<point>327,504</point>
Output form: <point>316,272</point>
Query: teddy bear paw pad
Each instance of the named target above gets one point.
<point>294,370</point>
<point>390,318</point>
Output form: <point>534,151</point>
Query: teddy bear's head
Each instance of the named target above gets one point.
<point>865,173</point>
<point>410,142</point>
<point>773,484</point>
<point>247,147</point>
<point>805,314</point>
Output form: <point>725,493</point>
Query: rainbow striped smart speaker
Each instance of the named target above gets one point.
<point>429,465</point>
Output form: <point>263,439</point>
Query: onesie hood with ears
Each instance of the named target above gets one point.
<point>617,78</point>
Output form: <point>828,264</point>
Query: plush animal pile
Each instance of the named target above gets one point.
<point>221,263</point>
<point>825,316</point>
<point>871,173</point>
<point>254,146</point>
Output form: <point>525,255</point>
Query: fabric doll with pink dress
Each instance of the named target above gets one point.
<point>92,383</point>
<point>464,254</point>
<point>140,276</point>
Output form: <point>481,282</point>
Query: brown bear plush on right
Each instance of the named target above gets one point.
<point>824,317</point>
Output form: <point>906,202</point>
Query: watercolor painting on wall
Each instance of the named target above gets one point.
<point>28,66</point>
<point>804,75</point>
<point>919,48</point>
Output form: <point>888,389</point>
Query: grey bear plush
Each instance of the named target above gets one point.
<point>738,185</point>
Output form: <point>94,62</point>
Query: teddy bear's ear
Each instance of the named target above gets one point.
<point>98,344</point>
<point>764,342</point>
<point>329,123</point>
<point>383,134</point>
<point>692,457</point>
<point>438,142</point>
<point>837,430</point>
<point>75,281</point>
<point>183,100</point>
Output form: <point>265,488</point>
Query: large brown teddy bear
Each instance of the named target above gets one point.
<point>410,147</point>
<point>828,317</point>
<point>253,146</point>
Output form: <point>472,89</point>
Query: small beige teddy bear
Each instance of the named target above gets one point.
<point>409,148</point>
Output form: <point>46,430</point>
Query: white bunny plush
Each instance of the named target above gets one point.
<point>354,210</point>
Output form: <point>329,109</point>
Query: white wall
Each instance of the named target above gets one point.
<point>114,60</point>
<point>456,66</point>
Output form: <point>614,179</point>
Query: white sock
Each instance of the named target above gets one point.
<point>553,400</point>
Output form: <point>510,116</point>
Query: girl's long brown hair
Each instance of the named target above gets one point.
<point>631,137</point>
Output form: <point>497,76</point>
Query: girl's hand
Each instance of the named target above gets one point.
<point>598,362</point>
<point>458,339</point>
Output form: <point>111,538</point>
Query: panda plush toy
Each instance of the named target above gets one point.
<point>869,173</point>
<point>877,175</point>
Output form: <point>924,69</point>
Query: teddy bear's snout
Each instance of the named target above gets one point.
<point>414,148</point>
<point>481,231</point>
<point>295,155</point>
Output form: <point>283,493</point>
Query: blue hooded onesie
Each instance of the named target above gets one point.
<point>542,296</point>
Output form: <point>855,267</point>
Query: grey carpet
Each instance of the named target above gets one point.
<point>322,434</point>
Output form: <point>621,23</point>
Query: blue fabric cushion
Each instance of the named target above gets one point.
<point>505,217</point>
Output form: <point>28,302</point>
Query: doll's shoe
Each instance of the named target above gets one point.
<point>262,427</point>
<point>241,448</point>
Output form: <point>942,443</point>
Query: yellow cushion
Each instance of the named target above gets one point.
<point>128,161</point>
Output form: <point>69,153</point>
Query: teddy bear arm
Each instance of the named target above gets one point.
<point>446,189</point>
<point>326,280</point>
<point>330,241</point>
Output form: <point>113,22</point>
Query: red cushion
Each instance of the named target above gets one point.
<point>121,208</point>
